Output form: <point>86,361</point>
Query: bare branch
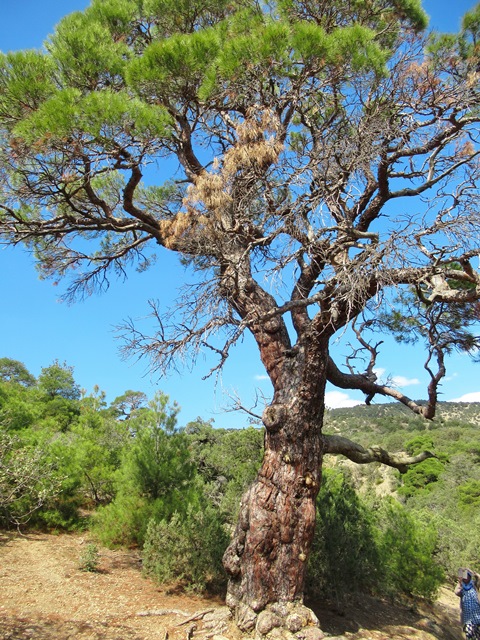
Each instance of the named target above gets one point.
<point>358,381</point>
<point>339,445</point>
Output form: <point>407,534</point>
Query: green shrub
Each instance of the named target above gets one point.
<point>124,521</point>
<point>421,477</point>
<point>419,443</point>
<point>469,494</point>
<point>227,460</point>
<point>407,547</point>
<point>344,556</point>
<point>156,477</point>
<point>379,548</point>
<point>90,558</point>
<point>458,539</point>
<point>187,550</point>
<point>61,514</point>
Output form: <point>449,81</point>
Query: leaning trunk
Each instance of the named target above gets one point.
<point>267,558</point>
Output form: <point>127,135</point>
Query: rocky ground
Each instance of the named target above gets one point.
<point>44,595</point>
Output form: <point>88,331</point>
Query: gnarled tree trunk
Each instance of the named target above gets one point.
<point>267,558</point>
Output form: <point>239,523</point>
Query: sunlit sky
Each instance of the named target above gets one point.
<point>37,329</point>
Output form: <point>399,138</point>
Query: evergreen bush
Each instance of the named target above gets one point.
<point>90,558</point>
<point>344,557</point>
<point>187,550</point>
<point>123,522</point>
<point>407,549</point>
<point>377,548</point>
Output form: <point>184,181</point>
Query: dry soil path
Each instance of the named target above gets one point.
<point>45,596</point>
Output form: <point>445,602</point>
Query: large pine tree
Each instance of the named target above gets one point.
<point>306,159</point>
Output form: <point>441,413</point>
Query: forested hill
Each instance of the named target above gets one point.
<point>442,492</point>
<point>468,411</point>
<point>390,417</point>
<point>453,437</point>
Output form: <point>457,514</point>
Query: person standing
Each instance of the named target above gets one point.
<point>469,604</point>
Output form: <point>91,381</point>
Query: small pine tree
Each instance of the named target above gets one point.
<point>90,558</point>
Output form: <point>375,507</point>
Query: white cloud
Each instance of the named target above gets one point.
<point>468,397</point>
<point>397,381</point>
<point>261,377</point>
<point>401,381</point>
<point>450,378</point>
<point>337,400</point>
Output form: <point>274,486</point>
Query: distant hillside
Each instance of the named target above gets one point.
<point>464,410</point>
<point>454,436</point>
<point>391,416</point>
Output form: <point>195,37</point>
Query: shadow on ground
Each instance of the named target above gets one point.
<point>367,617</point>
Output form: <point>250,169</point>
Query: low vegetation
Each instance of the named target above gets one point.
<point>131,475</point>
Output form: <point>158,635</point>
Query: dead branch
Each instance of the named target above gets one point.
<point>196,616</point>
<point>353,451</point>
<point>162,612</point>
<point>359,381</point>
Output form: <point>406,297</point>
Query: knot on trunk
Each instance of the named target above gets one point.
<point>272,326</point>
<point>274,416</point>
<point>231,561</point>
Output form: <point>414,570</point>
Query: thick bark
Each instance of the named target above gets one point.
<point>267,558</point>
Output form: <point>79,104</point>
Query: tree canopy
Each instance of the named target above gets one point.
<point>288,140</point>
<point>15,371</point>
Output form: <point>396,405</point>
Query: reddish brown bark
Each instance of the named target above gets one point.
<point>267,558</point>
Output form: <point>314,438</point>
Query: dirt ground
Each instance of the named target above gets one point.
<point>44,595</point>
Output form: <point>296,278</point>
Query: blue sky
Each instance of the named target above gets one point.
<point>37,329</point>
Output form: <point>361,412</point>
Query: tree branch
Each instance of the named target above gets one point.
<point>359,381</point>
<point>353,451</point>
